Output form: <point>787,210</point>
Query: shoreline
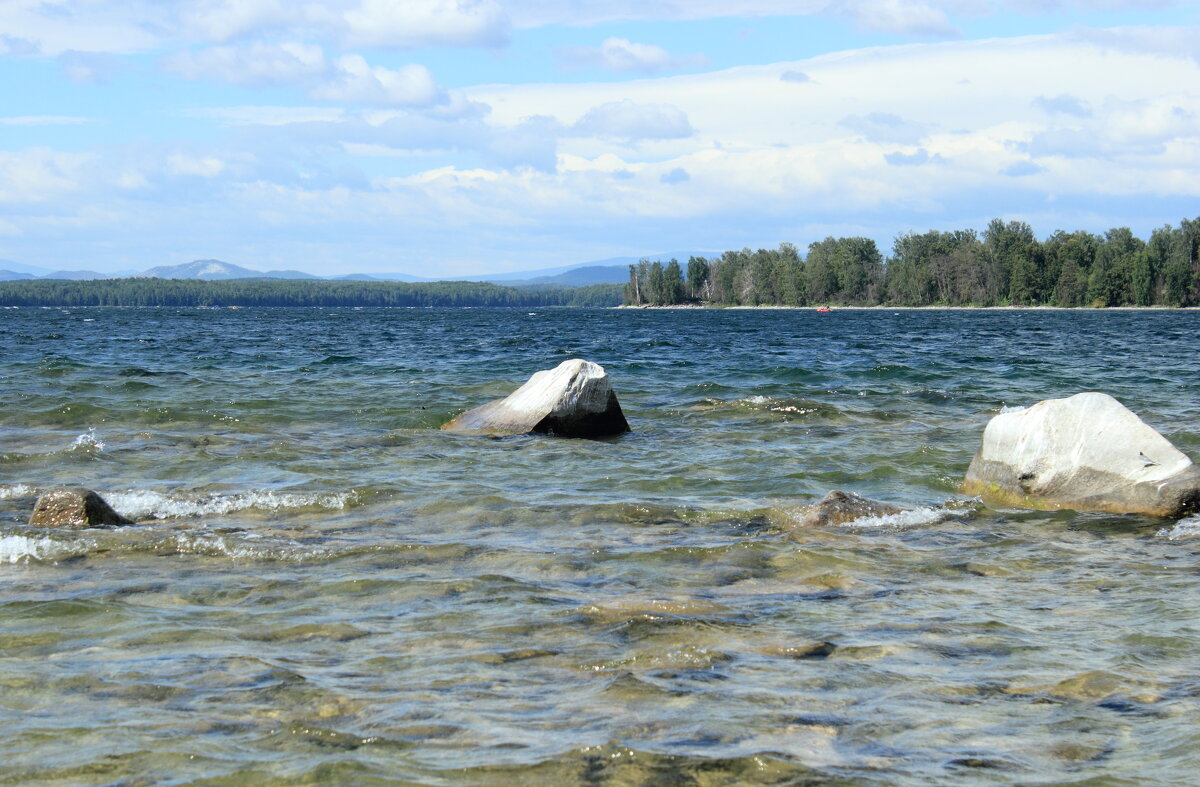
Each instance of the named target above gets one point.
<point>834,307</point>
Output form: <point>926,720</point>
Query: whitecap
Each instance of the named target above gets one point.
<point>15,549</point>
<point>16,490</point>
<point>88,441</point>
<point>905,519</point>
<point>756,400</point>
<point>150,504</point>
<point>1013,409</point>
<point>1184,528</point>
<point>212,545</point>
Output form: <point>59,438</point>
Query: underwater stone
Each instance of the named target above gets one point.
<point>1087,452</point>
<point>574,399</point>
<point>74,508</point>
<point>838,507</point>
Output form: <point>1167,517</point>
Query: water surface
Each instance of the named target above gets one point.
<point>326,588</point>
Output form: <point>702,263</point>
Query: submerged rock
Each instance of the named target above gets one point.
<point>574,399</point>
<point>75,508</point>
<point>1087,452</point>
<point>838,507</point>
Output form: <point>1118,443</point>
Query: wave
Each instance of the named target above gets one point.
<point>1184,528</point>
<point>916,517</point>
<point>770,404</point>
<point>16,490</point>
<point>155,505</point>
<point>88,441</point>
<point>17,549</point>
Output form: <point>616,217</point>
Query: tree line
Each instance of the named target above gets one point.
<point>275,292</point>
<point>1005,265</point>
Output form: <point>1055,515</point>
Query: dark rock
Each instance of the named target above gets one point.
<point>574,399</point>
<point>837,508</point>
<point>74,508</point>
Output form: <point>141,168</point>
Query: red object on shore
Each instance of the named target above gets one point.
<point>824,309</point>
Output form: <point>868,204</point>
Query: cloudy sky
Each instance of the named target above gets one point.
<point>450,137</point>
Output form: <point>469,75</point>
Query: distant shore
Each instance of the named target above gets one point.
<point>834,307</point>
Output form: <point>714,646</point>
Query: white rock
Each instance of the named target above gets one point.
<point>574,399</point>
<point>1087,453</point>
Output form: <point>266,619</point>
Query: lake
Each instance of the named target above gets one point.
<point>324,587</point>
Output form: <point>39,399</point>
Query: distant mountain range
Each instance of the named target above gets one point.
<point>614,270</point>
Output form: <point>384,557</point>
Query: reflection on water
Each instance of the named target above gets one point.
<point>325,588</point>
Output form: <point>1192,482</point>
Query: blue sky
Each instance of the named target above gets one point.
<point>453,137</point>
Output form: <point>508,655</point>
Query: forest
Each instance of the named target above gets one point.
<point>275,292</point>
<point>1005,265</point>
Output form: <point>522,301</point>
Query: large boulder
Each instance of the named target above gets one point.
<point>574,399</point>
<point>1087,453</point>
<point>74,508</point>
<point>838,508</point>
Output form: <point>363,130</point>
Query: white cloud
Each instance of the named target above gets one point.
<point>932,135</point>
<point>621,54</point>
<point>36,175</point>
<point>1063,104</point>
<point>203,167</point>
<point>903,17</point>
<point>45,120</point>
<point>89,68</point>
<point>12,45</point>
<point>221,20</point>
<point>627,120</point>
<point>255,64</point>
<point>349,79</point>
<point>414,23</point>
<point>270,116</point>
<point>354,81</point>
<point>885,127</point>
<point>795,77</point>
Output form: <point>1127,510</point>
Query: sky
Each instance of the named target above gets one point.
<point>460,137</point>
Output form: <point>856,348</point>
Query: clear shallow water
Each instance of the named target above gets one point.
<point>328,589</point>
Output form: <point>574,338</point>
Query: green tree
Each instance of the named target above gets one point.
<point>672,283</point>
<point>697,278</point>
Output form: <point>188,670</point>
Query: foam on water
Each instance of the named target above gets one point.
<point>16,549</point>
<point>150,504</point>
<point>88,441</point>
<point>905,519</point>
<point>1012,409</point>
<point>219,545</point>
<point>16,490</point>
<point>1184,528</point>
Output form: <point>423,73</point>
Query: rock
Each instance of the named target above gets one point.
<point>76,508</point>
<point>574,399</point>
<point>838,507</point>
<point>1087,452</point>
<point>805,650</point>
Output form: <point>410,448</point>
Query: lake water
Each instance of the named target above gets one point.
<point>326,588</point>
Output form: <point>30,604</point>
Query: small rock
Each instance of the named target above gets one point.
<point>838,507</point>
<point>1087,452</point>
<point>75,508</point>
<point>804,650</point>
<point>574,399</point>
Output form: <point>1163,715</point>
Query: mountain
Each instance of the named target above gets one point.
<point>576,277</point>
<point>285,275</point>
<point>614,270</point>
<point>16,267</point>
<point>209,270</point>
<point>385,277</point>
<point>75,275</point>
